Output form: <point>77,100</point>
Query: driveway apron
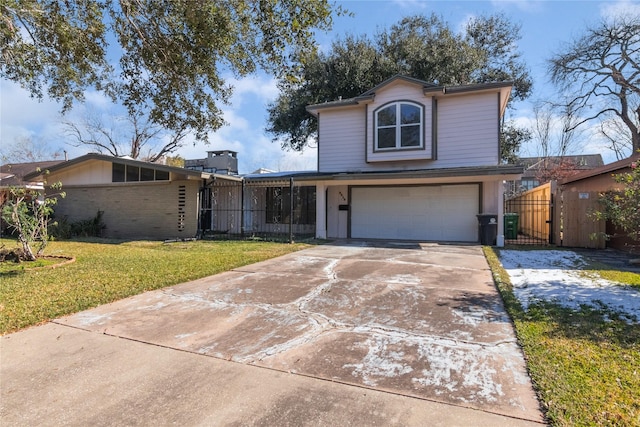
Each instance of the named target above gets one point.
<point>415,319</point>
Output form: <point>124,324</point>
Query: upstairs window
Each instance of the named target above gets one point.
<point>398,126</point>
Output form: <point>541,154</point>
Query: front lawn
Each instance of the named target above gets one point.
<point>106,271</point>
<point>585,363</point>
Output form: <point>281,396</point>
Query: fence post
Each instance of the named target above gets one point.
<point>242,207</point>
<point>291,210</point>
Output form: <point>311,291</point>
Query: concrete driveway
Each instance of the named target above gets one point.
<point>352,333</point>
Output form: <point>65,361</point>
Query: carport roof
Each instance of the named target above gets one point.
<point>499,170</point>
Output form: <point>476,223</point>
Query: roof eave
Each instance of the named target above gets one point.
<point>504,171</point>
<point>316,108</point>
<point>121,160</point>
<point>609,168</point>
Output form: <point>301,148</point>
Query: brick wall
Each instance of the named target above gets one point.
<point>157,210</point>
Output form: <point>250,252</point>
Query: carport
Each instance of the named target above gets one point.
<point>438,205</point>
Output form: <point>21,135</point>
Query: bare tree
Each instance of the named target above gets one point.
<point>555,135</point>
<point>555,129</point>
<point>617,136</point>
<point>26,149</point>
<point>131,136</point>
<point>601,71</point>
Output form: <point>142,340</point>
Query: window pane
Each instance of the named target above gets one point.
<point>387,138</point>
<point>162,176</point>
<point>146,174</point>
<point>133,173</point>
<point>387,116</point>
<point>410,136</point>
<point>409,114</point>
<point>117,172</point>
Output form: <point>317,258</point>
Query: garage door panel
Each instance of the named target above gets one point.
<point>445,213</point>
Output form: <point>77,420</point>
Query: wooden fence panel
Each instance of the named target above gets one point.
<point>578,226</point>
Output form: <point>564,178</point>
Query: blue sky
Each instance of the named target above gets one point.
<point>545,26</point>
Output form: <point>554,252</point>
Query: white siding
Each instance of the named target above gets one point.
<point>337,219</point>
<point>467,133</point>
<point>86,173</point>
<point>342,140</point>
<point>490,199</point>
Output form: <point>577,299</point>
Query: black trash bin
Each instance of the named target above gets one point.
<point>488,224</point>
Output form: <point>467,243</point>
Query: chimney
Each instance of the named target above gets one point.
<point>223,162</point>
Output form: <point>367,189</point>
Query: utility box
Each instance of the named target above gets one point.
<point>511,225</point>
<point>488,224</point>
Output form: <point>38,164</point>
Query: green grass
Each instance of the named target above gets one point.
<point>604,271</point>
<point>105,271</point>
<point>9,267</point>
<point>585,364</point>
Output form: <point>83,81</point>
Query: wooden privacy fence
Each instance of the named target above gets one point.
<point>529,216</point>
<point>552,214</point>
<point>578,228</point>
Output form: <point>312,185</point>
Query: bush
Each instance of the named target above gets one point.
<point>622,207</point>
<point>28,213</point>
<point>83,228</point>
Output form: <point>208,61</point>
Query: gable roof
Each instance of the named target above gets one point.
<point>126,161</point>
<point>427,88</point>
<point>582,161</point>
<point>578,162</point>
<point>606,169</point>
<point>14,174</point>
<point>399,77</point>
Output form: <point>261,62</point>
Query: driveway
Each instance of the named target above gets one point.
<point>353,333</point>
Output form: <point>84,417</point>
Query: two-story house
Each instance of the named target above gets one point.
<point>405,160</point>
<point>411,160</point>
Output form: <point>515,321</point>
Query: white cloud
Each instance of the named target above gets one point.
<point>262,88</point>
<point>245,134</point>
<point>22,116</point>
<point>98,100</point>
<point>619,9</point>
<point>412,4</point>
<point>18,108</point>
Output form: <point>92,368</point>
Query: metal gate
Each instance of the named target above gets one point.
<point>273,210</point>
<point>528,218</point>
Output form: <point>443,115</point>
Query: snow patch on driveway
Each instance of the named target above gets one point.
<point>556,276</point>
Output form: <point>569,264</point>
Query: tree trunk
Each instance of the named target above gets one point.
<point>26,248</point>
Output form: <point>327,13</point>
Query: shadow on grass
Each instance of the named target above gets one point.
<point>598,325</point>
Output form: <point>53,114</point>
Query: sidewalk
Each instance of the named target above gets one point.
<point>59,375</point>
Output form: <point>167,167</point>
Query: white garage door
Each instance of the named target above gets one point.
<point>444,212</point>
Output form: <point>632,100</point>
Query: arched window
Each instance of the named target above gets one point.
<point>399,126</point>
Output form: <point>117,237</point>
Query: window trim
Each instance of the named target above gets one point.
<point>398,127</point>
<point>122,173</point>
